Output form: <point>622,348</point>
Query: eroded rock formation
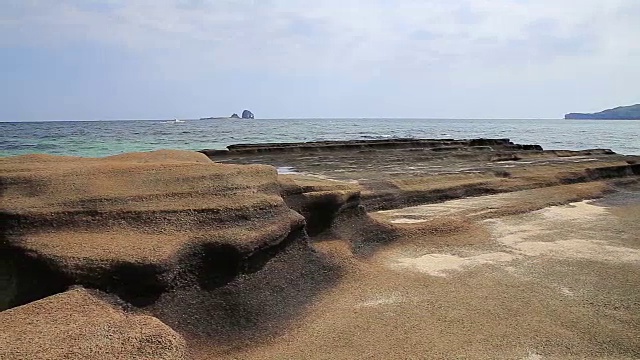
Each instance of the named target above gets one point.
<point>137,225</point>
<point>396,173</point>
<point>220,253</point>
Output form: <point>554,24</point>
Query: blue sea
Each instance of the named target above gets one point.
<point>102,138</point>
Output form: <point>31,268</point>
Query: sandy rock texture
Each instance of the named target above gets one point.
<point>397,173</point>
<point>392,249</point>
<point>136,225</point>
<point>83,324</point>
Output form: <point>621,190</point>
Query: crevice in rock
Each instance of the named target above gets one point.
<point>218,264</point>
<point>321,208</point>
<point>253,307</point>
<point>137,284</point>
<point>259,258</point>
<point>24,277</point>
<point>211,265</point>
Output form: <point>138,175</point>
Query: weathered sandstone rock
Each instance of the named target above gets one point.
<point>395,173</point>
<point>135,225</point>
<point>320,146</point>
<point>83,324</point>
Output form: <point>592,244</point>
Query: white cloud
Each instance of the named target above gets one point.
<point>470,43</point>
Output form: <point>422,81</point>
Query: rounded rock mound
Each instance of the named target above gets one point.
<point>83,324</point>
<point>247,114</point>
<point>135,225</point>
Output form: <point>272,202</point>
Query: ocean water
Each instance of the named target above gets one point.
<point>102,138</point>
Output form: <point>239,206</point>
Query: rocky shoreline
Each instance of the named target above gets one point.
<point>178,254</point>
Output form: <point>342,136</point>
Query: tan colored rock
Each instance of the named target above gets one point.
<point>397,173</point>
<point>138,224</point>
<point>82,324</point>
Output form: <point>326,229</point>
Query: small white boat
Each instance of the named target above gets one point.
<point>178,121</point>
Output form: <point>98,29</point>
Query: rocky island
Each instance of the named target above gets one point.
<point>246,114</point>
<point>620,113</point>
<point>398,248</point>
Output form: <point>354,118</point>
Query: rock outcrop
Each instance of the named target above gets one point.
<point>394,173</point>
<point>234,116</point>
<point>170,232</point>
<point>82,324</point>
<point>355,145</point>
<point>247,114</point>
<point>226,256</point>
<point>136,225</point>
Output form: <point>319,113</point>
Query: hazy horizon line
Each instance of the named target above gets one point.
<point>284,118</point>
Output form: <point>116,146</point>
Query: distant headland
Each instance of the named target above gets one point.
<point>620,113</point>
<point>246,114</point>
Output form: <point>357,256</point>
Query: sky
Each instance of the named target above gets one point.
<point>158,59</point>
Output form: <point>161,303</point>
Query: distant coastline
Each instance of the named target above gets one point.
<point>620,113</point>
